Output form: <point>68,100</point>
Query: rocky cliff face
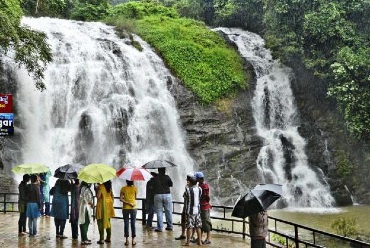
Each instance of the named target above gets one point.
<point>222,140</point>
<point>342,158</point>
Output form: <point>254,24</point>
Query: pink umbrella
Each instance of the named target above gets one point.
<point>134,174</point>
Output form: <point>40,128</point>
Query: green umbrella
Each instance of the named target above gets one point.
<point>96,173</point>
<point>31,168</point>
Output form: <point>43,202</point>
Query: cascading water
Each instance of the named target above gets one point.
<point>282,158</point>
<point>105,102</point>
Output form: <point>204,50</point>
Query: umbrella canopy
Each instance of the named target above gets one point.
<point>134,174</point>
<point>96,173</point>
<point>155,164</point>
<point>258,199</point>
<point>32,168</point>
<point>68,171</point>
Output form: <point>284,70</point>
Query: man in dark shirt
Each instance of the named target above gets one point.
<point>163,199</point>
<point>149,204</point>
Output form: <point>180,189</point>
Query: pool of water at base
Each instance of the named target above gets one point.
<point>322,219</point>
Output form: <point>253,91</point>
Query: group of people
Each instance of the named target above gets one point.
<point>34,201</point>
<point>195,217</point>
<point>79,209</point>
<point>33,189</point>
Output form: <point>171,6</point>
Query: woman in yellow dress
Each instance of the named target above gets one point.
<point>104,210</point>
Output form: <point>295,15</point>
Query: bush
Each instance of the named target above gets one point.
<point>345,227</point>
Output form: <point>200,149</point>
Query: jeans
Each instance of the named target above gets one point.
<point>150,212</point>
<point>47,208</point>
<point>127,215</point>
<point>32,226</point>
<point>22,222</point>
<point>163,201</point>
<point>258,243</point>
<point>74,227</point>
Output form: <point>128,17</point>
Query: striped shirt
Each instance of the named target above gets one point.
<point>192,200</point>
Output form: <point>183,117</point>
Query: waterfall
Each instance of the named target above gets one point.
<point>105,102</point>
<point>282,159</point>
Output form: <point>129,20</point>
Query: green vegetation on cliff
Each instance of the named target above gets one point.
<point>198,56</point>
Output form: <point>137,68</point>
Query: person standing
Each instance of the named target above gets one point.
<point>183,217</point>
<point>149,200</point>
<point>60,205</point>
<point>193,221</point>
<point>128,195</point>
<point>163,199</point>
<point>45,189</point>
<point>205,207</point>
<point>74,214</point>
<point>85,207</point>
<point>22,205</point>
<point>33,205</point>
<point>104,210</point>
<point>258,229</point>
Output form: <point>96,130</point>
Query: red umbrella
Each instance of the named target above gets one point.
<point>134,174</point>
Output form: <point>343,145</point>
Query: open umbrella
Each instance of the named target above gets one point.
<point>134,174</point>
<point>155,164</point>
<point>31,168</point>
<point>68,171</point>
<point>96,173</point>
<point>258,199</point>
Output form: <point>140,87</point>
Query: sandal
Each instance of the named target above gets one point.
<point>107,241</point>
<point>100,242</point>
<point>206,242</point>
<point>133,242</point>
<point>127,243</point>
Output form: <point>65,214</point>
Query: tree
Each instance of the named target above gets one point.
<point>30,47</point>
<point>51,8</point>
<point>90,10</point>
<point>352,88</point>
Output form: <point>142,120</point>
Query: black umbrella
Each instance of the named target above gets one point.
<point>155,164</point>
<point>258,199</point>
<point>68,171</point>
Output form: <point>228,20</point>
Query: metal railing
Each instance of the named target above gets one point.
<point>282,233</point>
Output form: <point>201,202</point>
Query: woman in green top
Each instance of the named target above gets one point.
<point>128,195</point>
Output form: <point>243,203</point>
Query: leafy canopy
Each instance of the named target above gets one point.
<point>30,47</point>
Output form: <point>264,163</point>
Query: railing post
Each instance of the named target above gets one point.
<point>296,238</point>
<point>143,217</point>
<point>4,203</point>
<point>244,228</point>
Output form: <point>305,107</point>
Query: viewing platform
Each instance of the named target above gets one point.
<point>145,238</point>
<point>227,231</point>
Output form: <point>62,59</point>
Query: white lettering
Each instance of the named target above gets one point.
<point>6,123</point>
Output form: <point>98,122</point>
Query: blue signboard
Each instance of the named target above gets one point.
<point>6,124</point>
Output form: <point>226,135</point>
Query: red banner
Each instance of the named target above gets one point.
<point>6,103</point>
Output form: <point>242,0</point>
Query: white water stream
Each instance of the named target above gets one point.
<point>105,102</point>
<point>282,158</point>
